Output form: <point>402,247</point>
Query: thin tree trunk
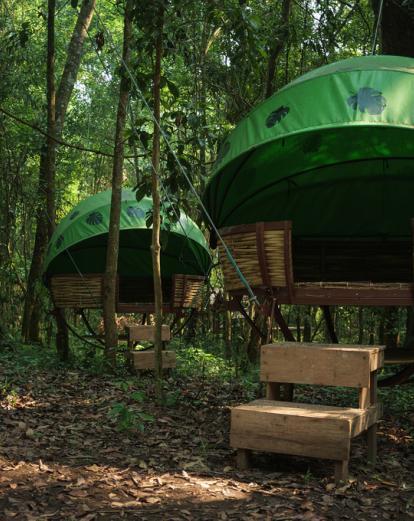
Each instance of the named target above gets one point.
<point>110,280</point>
<point>51,119</point>
<point>31,312</point>
<point>227,330</point>
<point>73,59</point>
<point>156,218</point>
<point>298,325</point>
<point>307,324</point>
<point>62,336</point>
<point>391,330</point>
<point>360,325</point>
<point>277,47</point>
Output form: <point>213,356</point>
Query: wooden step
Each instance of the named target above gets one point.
<point>142,332</point>
<point>146,359</point>
<point>300,429</point>
<point>320,364</point>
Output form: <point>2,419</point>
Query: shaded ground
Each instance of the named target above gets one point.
<point>62,455</point>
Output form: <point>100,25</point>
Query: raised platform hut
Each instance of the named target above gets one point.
<point>312,191</point>
<point>75,263</point>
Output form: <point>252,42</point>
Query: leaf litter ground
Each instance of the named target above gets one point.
<point>63,457</point>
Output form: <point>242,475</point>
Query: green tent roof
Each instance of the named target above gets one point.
<point>333,151</point>
<point>79,241</point>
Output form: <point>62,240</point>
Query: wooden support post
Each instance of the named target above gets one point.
<point>273,391</point>
<point>287,392</point>
<point>287,333</point>
<point>372,431</point>
<point>341,471</point>
<point>62,334</point>
<point>364,398</point>
<point>373,384</point>
<point>243,459</point>
<point>250,321</point>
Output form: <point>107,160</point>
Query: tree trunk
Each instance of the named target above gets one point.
<point>397,28</point>
<point>227,330</point>
<point>73,59</point>
<point>62,335</point>
<point>307,325</point>
<point>277,47</point>
<point>110,279</point>
<point>255,340</point>
<point>51,119</point>
<point>360,325</point>
<point>31,312</point>
<point>156,218</point>
<point>391,330</point>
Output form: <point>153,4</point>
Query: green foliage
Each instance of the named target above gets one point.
<point>128,419</point>
<point>193,360</point>
<point>399,401</point>
<point>171,399</point>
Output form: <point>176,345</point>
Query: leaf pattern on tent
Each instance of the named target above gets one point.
<point>369,100</point>
<point>276,116</point>
<point>94,218</point>
<point>134,211</point>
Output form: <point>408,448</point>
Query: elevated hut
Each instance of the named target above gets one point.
<point>313,189</point>
<point>76,257</point>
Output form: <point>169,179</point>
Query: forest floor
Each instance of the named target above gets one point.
<point>79,447</point>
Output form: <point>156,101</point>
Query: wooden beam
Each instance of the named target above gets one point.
<point>287,333</point>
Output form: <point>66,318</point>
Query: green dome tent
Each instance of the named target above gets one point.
<point>78,246</point>
<point>333,152</point>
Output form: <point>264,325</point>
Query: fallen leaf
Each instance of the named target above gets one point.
<point>151,499</point>
<point>43,467</point>
<point>93,468</point>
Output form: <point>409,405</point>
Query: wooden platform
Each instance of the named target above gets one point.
<point>133,294</point>
<point>147,333</point>
<point>399,355</point>
<point>348,293</point>
<point>263,251</point>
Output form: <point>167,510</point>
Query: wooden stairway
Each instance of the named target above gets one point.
<point>301,429</point>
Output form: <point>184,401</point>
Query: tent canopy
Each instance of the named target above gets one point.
<point>79,241</point>
<point>333,152</point>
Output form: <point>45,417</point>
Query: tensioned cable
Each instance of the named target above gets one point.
<point>162,186</point>
<point>374,43</point>
<point>190,184</point>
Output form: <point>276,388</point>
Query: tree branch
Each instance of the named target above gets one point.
<point>35,127</point>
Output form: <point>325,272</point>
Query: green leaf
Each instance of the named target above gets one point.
<point>138,396</point>
<point>146,417</point>
<point>172,87</point>
<point>141,191</point>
